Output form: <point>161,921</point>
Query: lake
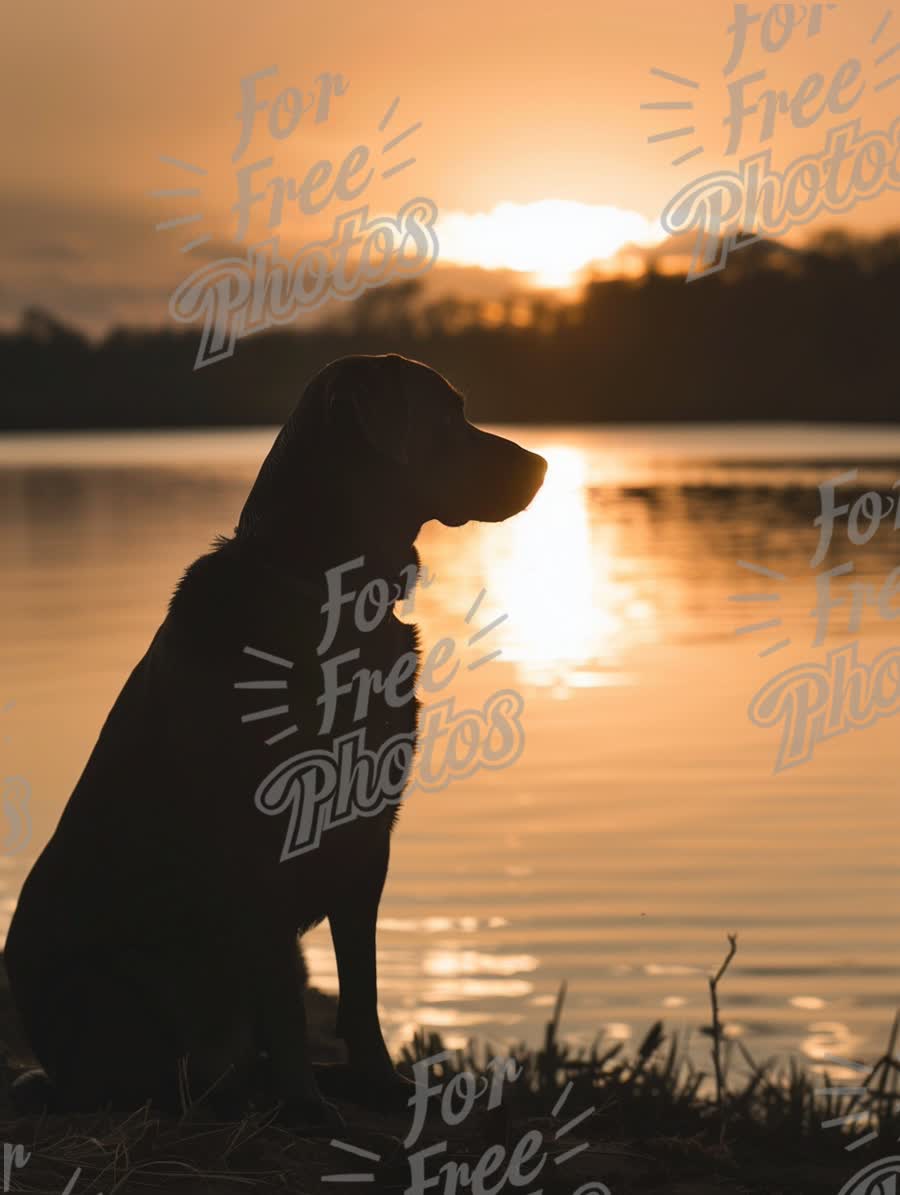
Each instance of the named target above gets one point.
<point>644,820</point>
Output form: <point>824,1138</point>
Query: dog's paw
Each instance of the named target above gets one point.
<point>381,1090</point>
<point>394,1088</point>
<point>312,1116</point>
<point>33,1093</point>
<point>379,1087</point>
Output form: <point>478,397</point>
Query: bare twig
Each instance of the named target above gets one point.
<point>717,1027</point>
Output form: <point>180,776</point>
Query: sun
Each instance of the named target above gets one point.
<point>551,239</point>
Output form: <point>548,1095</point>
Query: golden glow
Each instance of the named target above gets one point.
<point>567,611</point>
<point>448,963</point>
<point>552,239</point>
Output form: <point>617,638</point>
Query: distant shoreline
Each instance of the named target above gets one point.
<point>693,422</point>
<point>809,340</point>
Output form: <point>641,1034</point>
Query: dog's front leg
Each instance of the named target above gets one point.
<point>284,1035</point>
<point>353,919</point>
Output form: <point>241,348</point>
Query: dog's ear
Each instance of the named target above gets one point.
<point>380,408</point>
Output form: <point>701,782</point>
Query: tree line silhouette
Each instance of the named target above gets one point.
<point>780,334</point>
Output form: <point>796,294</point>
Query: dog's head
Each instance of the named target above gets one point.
<point>394,433</point>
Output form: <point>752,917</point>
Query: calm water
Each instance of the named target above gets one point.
<point>643,821</point>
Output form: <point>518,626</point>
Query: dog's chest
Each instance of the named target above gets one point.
<point>367,707</point>
<point>367,680</point>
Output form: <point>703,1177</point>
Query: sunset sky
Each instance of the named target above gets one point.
<point>532,130</point>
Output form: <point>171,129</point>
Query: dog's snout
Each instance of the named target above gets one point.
<point>495,479</point>
<point>515,474</point>
<point>535,472</point>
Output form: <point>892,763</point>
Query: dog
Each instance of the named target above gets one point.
<point>155,946</point>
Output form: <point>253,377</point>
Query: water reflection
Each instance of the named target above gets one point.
<point>569,610</point>
<point>472,962</point>
<point>833,1049</point>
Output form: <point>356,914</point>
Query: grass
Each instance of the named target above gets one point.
<point>659,1123</point>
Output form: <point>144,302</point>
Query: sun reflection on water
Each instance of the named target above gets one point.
<point>570,614</point>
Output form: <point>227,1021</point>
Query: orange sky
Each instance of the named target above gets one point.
<point>519,103</point>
